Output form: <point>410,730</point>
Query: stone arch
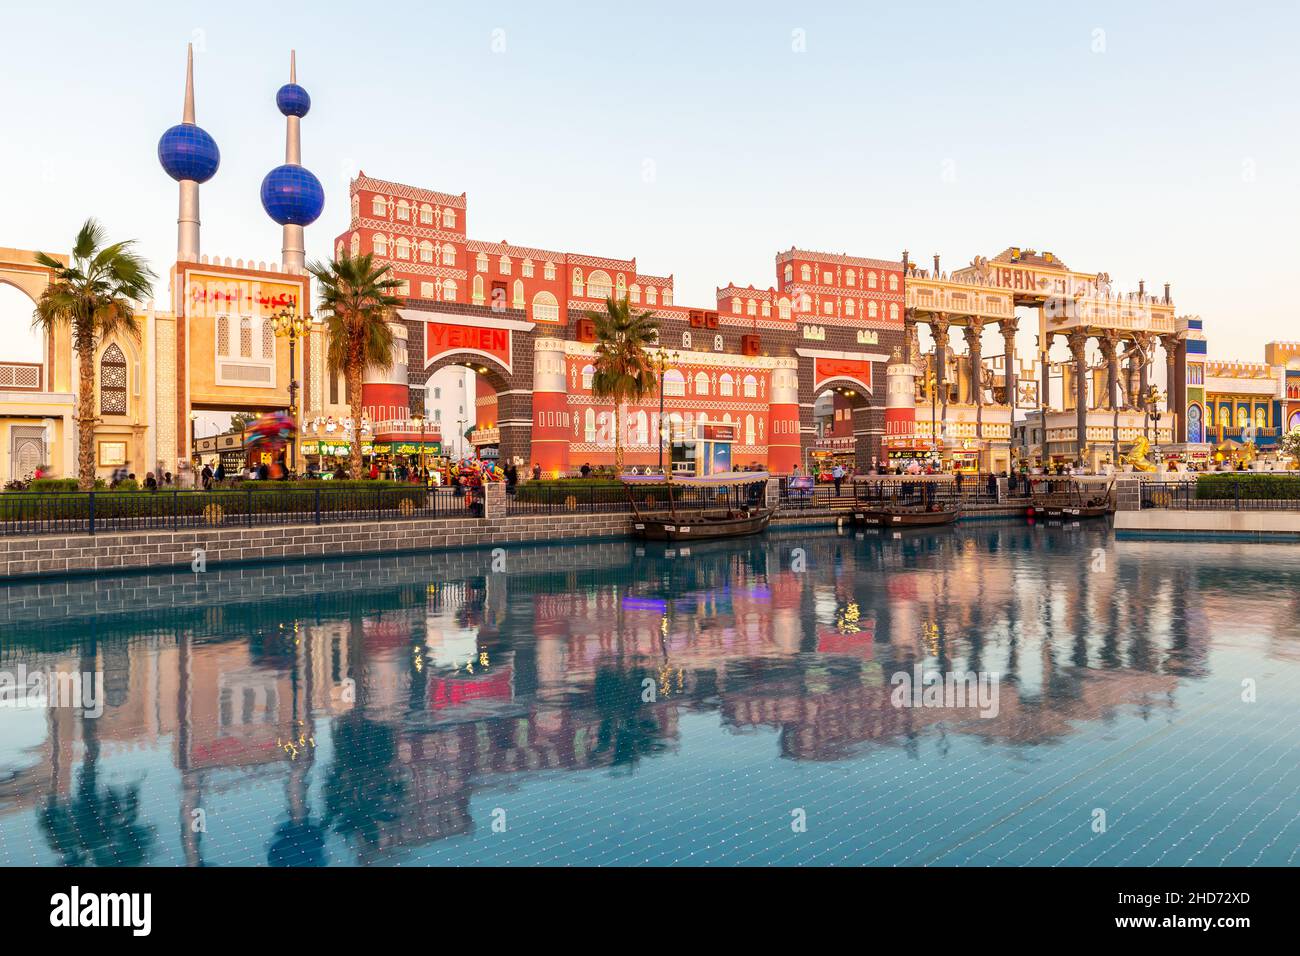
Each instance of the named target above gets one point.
<point>513,390</point>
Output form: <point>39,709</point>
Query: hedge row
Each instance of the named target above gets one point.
<point>1247,484</point>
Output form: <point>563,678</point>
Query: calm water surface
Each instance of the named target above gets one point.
<point>615,704</point>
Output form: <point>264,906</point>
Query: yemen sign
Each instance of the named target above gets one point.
<point>440,338</point>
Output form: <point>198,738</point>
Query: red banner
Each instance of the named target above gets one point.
<point>857,370</point>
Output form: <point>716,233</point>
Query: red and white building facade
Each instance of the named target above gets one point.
<point>755,360</point>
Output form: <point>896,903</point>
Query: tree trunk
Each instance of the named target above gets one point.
<point>354,396</point>
<point>618,438</point>
<point>86,420</point>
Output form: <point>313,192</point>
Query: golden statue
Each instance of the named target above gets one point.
<point>1137,455</point>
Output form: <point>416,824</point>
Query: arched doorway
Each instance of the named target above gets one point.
<point>463,396</point>
<point>842,428</point>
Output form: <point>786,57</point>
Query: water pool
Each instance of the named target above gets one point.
<point>609,703</point>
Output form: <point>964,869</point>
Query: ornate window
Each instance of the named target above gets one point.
<point>403,248</point>
<point>893,309</point>
<point>589,423</point>
<point>752,307</point>
<point>112,381</point>
<point>686,340</point>
<point>545,308</point>
<point>449,291</point>
<point>634,293</point>
<point>849,307</point>
<point>505,265</point>
<point>851,278</point>
<point>527,268</point>
<point>805,273</point>
<point>751,387</point>
<point>588,372</point>
<point>789,272</point>
<point>767,310</point>
<point>735,305</point>
<point>404,211</point>
<point>426,215</point>
<point>726,385</point>
<point>872,309</point>
<point>245,337</point>
<point>578,286</point>
<point>871,280</point>
<point>783,309</point>
<point>749,429</point>
<point>674,383</point>
<point>355,245</point>
<point>426,250</point>
<point>517,296</point>
<point>668,296</point>
<point>381,244</point>
<point>599,285</point>
<point>893,283</point>
<point>651,295</point>
<point>449,218</point>
<point>701,384</point>
<point>480,262</point>
<point>478,290</point>
<point>548,272</point>
<point>378,207</point>
<point>448,254</point>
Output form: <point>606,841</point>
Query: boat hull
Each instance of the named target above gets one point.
<point>698,528</point>
<point>902,518</point>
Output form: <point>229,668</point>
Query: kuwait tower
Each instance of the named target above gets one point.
<point>291,194</point>
<point>190,156</point>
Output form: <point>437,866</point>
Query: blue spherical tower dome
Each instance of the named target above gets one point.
<point>293,100</point>
<point>187,151</point>
<point>292,196</point>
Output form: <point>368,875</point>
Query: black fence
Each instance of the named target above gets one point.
<point>972,489</point>
<point>101,512</point>
<point>1220,494</point>
<point>579,497</point>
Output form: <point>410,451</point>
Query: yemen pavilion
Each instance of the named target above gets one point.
<point>824,365</point>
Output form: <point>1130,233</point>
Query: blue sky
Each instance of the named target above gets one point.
<point>702,138</point>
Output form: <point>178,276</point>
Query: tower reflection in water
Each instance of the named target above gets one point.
<point>609,703</point>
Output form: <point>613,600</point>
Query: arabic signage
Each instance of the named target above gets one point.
<point>212,295</point>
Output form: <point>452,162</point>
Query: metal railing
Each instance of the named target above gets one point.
<point>100,512</point>
<point>1220,495</point>
<point>579,497</point>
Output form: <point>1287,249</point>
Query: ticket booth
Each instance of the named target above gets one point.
<point>713,448</point>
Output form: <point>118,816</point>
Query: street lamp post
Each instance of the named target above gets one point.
<point>287,325</point>
<point>419,421</point>
<point>661,362</point>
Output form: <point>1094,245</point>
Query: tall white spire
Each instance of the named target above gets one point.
<point>187,220</point>
<point>293,125</point>
<point>188,116</point>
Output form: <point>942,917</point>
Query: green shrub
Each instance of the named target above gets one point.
<point>1248,484</point>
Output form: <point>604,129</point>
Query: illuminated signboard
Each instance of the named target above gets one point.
<point>441,338</point>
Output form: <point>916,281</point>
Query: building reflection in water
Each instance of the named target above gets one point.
<point>405,686</point>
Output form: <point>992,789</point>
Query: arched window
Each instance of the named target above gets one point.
<point>872,309</point>
<point>426,250</point>
<point>381,244</point>
<point>517,295</point>
<point>751,387</point>
<point>726,385</point>
<point>112,381</point>
<point>338,249</point>
<point>589,422</point>
<point>674,384</point>
<point>505,265</point>
<point>805,273</point>
<point>526,268</point>
<point>426,214</point>
<point>789,272</point>
<point>893,311</point>
<point>701,384</point>
<point>668,297</point>
<point>478,290</point>
<point>588,373</point>
<point>449,218</point>
<point>634,294</point>
<point>545,308</point>
<point>871,280</point>
<point>736,306</point>
<point>893,283</point>
<point>849,307</point>
<point>1209,416</point>
<point>783,309</point>
<point>767,310</point>
<point>403,210</point>
<point>378,207</point>
<point>354,246</point>
<point>480,262</point>
<point>749,429</point>
<point>752,307</point>
<point>403,248</point>
<point>448,254</point>
<point>548,271</point>
<point>599,285</point>
<point>651,295</point>
<point>851,278</point>
<point>579,287</point>
<point>449,290</point>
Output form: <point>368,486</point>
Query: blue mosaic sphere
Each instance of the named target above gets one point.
<point>188,152</point>
<point>292,196</point>
<point>293,100</point>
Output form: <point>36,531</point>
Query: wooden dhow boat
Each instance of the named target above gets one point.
<point>731,514</point>
<point>905,516</point>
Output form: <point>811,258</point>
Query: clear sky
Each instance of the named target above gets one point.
<point>1148,140</point>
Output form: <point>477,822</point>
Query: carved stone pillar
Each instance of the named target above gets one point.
<point>1008,329</point>
<point>1044,397</point>
<point>939,329</point>
<point>911,349</point>
<point>1144,340</point>
<point>973,331</point>
<point>1173,400</point>
<point>1109,343</point>
<point>1078,340</point>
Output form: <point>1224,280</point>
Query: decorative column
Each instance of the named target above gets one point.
<point>1078,340</point>
<point>900,399</point>
<point>1008,329</point>
<point>1044,398</point>
<point>784,441</point>
<point>552,425</point>
<point>1143,341</point>
<point>1173,401</point>
<point>1109,342</point>
<point>939,329</point>
<point>973,331</point>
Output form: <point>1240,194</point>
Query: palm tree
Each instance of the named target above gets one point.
<point>356,300</point>
<point>95,297</point>
<point>623,372</point>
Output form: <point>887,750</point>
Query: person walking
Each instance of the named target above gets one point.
<point>838,477</point>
